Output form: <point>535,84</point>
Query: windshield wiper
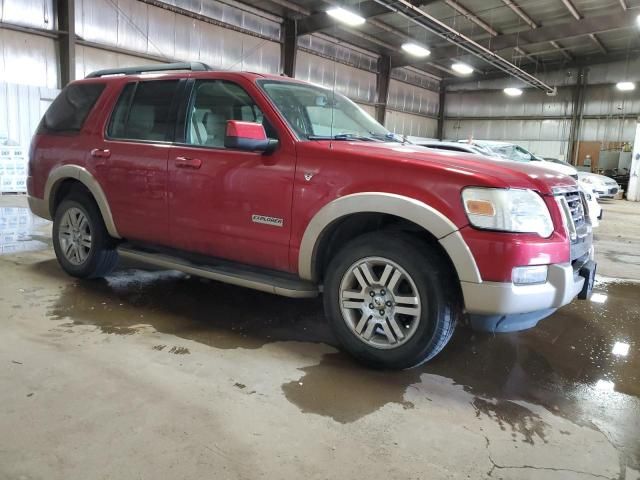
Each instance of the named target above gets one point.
<point>387,137</point>
<point>342,136</point>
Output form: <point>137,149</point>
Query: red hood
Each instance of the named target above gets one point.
<point>487,171</point>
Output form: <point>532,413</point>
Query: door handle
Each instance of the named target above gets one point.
<point>100,153</point>
<point>184,162</point>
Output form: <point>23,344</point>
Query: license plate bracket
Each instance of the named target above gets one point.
<point>588,272</point>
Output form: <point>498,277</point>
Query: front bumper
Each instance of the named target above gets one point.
<point>496,298</point>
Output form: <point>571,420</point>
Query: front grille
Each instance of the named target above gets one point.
<point>574,207</point>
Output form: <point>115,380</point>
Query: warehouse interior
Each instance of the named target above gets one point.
<point>151,373</point>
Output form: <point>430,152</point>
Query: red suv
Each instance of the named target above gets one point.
<point>282,186</point>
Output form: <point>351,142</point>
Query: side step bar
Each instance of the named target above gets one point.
<point>279,284</point>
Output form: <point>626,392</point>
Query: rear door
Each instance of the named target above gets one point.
<point>135,152</point>
<point>224,202</point>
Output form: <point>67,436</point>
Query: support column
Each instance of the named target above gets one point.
<point>289,47</point>
<point>383,78</point>
<point>66,16</point>
<point>443,90</point>
<point>633,190</point>
<point>576,115</point>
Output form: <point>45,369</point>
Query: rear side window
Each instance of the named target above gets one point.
<point>69,110</point>
<point>142,111</point>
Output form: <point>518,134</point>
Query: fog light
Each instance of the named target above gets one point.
<point>529,275</point>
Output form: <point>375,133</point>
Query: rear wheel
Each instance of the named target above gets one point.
<point>80,239</point>
<point>391,300</point>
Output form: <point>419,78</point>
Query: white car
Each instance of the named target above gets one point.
<point>604,187</point>
<point>456,147</point>
<point>595,210</point>
<point>515,152</point>
<point>511,151</point>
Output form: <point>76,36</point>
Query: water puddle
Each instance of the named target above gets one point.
<point>582,363</point>
<point>21,231</point>
<point>196,309</point>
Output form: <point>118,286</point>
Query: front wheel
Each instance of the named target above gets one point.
<point>80,239</point>
<point>391,300</point>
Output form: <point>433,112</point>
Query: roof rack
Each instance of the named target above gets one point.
<point>162,67</point>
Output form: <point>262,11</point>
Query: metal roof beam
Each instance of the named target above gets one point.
<point>572,9</point>
<point>461,41</point>
<point>471,17</point>
<point>574,28</point>
<point>598,43</point>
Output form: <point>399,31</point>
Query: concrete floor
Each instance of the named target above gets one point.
<point>153,374</point>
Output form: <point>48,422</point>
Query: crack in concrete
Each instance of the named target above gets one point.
<point>495,466</point>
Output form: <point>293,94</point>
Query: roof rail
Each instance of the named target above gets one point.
<point>161,67</point>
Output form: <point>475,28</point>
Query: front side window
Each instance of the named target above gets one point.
<point>317,113</point>
<point>142,111</point>
<point>213,103</point>
<point>69,110</point>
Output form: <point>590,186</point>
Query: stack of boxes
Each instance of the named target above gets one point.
<point>13,169</point>
<point>15,227</point>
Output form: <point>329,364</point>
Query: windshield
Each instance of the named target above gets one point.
<point>317,113</point>
<point>511,152</point>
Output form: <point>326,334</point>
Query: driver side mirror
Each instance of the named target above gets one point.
<point>249,136</point>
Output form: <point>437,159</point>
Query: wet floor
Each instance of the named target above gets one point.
<point>581,364</point>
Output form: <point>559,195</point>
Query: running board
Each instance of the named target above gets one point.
<point>242,276</point>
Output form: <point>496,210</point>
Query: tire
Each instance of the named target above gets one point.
<point>81,242</point>
<point>424,300</point>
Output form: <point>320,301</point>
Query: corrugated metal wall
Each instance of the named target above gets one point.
<point>357,84</point>
<point>411,125</point>
<point>31,13</point>
<point>21,108</point>
<point>136,26</point>
<point>495,112</point>
<point>27,59</point>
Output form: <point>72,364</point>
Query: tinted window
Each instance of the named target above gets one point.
<point>70,109</point>
<point>142,111</point>
<point>214,102</point>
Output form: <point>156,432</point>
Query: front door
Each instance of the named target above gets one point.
<point>228,203</point>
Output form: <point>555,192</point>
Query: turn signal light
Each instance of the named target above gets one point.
<point>480,207</point>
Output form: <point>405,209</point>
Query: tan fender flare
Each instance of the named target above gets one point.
<point>59,174</point>
<point>408,208</point>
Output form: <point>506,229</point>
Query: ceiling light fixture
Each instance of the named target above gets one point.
<point>462,68</point>
<point>415,49</point>
<point>513,92</point>
<point>346,16</point>
<point>625,86</point>
<point>621,349</point>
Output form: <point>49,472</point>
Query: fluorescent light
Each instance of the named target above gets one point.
<point>513,92</point>
<point>462,68</point>
<point>625,86</point>
<point>345,16</point>
<point>415,49</point>
<point>621,349</point>
<point>598,297</point>
<point>638,20</point>
<point>605,385</point>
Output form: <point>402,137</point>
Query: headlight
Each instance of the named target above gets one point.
<point>507,210</point>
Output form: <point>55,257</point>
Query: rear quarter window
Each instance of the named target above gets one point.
<point>69,110</point>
